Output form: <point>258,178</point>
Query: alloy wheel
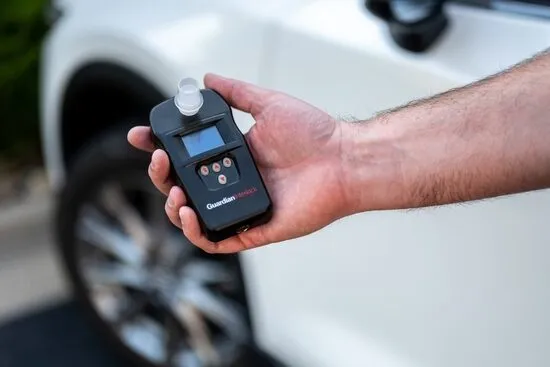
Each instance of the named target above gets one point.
<point>166,300</point>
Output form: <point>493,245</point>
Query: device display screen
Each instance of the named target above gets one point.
<point>202,140</point>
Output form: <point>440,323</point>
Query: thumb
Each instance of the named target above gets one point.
<point>243,96</point>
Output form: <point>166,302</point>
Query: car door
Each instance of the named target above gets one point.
<point>449,286</point>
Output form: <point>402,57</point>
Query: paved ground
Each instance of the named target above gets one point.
<point>40,325</point>
<point>30,277</point>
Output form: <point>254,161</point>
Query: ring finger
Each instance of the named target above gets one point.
<point>176,199</point>
<point>159,171</point>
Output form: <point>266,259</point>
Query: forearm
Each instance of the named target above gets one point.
<point>485,140</point>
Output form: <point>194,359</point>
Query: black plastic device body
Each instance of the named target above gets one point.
<point>211,162</point>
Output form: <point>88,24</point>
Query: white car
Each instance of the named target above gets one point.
<point>461,285</point>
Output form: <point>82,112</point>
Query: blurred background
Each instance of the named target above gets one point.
<point>23,26</point>
<point>92,273</point>
<point>41,324</point>
<point>37,317</point>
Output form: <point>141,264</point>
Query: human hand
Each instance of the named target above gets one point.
<point>297,150</point>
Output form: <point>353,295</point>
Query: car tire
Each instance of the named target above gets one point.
<point>109,161</point>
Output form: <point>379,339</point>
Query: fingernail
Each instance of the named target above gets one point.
<point>156,154</point>
<point>170,201</point>
<point>181,215</point>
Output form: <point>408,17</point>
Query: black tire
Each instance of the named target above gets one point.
<point>109,156</point>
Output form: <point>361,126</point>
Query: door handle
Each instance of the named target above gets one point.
<point>416,35</point>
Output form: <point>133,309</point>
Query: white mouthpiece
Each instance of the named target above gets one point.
<point>189,99</point>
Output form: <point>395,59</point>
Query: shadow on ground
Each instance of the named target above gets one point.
<point>58,336</point>
<point>61,336</point>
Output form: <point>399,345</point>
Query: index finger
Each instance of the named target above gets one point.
<point>140,137</point>
<point>243,96</point>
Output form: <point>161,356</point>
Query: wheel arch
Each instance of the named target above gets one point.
<point>98,96</point>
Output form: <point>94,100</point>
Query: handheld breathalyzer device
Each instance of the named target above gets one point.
<point>211,161</point>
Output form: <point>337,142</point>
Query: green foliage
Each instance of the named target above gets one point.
<point>22,28</point>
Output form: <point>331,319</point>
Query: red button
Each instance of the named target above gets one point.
<point>227,162</point>
<point>216,167</point>
<point>204,170</point>
<point>222,179</point>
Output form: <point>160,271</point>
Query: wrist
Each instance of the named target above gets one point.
<point>371,164</point>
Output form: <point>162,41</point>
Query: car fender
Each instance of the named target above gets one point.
<point>159,43</point>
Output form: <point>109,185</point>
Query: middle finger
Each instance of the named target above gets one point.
<point>159,171</point>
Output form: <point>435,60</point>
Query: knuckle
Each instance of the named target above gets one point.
<point>176,223</point>
<point>173,218</point>
<point>169,212</point>
<point>251,239</point>
<point>238,92</point>
<point>209,249</point>
<point>155,176</point>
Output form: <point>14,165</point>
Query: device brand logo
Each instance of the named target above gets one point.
<point>229,199</point>
<point>224,201</point>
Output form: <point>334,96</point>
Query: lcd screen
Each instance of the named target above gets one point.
<point>202,141</point>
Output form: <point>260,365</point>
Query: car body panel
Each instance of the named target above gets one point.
<point>454,286</point>
<point>161,41</point>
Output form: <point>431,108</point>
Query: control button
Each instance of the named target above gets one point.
<point>216,167</point>
<point>204,170</point>
<point>227,162</point>
<point>222,179</point>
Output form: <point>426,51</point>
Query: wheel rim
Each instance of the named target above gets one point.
<point>165,300</point>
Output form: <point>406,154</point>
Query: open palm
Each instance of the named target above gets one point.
<point>297,149</point>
